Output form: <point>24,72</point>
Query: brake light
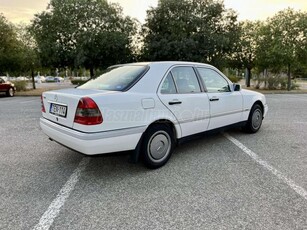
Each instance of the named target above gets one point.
<point>42,103</point>
<point>87,112</point>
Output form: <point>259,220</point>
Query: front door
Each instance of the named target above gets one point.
<point>226,106</point>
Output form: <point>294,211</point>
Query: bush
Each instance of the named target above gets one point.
<point>233,78</point>
<point>78,82</point>
<point>20,85</point>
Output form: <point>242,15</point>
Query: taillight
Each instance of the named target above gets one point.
<point>87,112</point>
<point>42,103</point>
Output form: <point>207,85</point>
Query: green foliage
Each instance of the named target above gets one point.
<point>89,33</point>
<point>78,82</point>
<point>192,30</point>
<point>9,47</point>
<point>233,78</point>
<point>20,85</point>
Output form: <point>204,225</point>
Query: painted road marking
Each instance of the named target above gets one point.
<point>29,101</point>
<point>298,189</point>
<point>55,207</point>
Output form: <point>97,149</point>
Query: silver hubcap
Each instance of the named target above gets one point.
<point>11,92</point>
<point>159,146</point>
<point>257,119</point>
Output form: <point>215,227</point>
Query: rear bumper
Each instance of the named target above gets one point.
<point>93,143</point>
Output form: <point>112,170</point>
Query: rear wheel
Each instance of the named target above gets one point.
<point>157,147</point>
<point>10,92</point>
<point>254,120</point>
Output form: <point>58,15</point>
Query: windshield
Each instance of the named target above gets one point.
<point>118,78</point>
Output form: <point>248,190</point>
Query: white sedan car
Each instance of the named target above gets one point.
<point>148,107</point>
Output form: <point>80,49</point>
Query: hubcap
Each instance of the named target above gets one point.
<point>11,92</point>
<point>257,119</point>
<point>159,146</point>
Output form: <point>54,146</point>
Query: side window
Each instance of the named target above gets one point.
<point>213,81</point>
<point>168,85</point>
<point>186,80</point>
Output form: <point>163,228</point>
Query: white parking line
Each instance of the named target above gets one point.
<point>55,207</point>
<point>29,101</point>
<point>298,189</point>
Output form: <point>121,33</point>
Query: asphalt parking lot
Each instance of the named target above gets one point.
<point>222,181</point>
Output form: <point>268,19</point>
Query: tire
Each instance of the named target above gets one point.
<point>10,92</point>
<point>254,119</point>
<point>157,146</point>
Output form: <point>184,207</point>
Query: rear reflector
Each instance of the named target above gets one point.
<point>87,112</point>
<point>42,103</point>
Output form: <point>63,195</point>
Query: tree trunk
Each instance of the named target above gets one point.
<point>33,81</point>
<point>289,77</point>
<point>92,72</point>
<point>248,77</point>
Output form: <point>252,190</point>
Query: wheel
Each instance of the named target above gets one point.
<point>157,146</point>
<point>10,92</point>
<point>254,119</point>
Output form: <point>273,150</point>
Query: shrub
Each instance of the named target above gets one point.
<point>233,78</point>
<point>78,82</point>
<point>20,85</point>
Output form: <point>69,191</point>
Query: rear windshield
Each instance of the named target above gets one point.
<point>118,78</point>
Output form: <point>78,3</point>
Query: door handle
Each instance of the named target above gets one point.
<point>174,102</point>
<point>214,99</point>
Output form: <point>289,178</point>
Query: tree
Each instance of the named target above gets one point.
<point>89,33</point>
<point>10,59</point>
<point>193,30</point>
<point>245,54</point>
<point>283,42</point>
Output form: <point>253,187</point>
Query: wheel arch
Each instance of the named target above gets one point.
<point>176,132</point>
<point>259,102</point>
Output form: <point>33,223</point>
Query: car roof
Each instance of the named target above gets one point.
<point>170,63</point>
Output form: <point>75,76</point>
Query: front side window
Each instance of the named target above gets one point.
<point>214,82</point>
<point>116,79</point>
<point>186,80</point>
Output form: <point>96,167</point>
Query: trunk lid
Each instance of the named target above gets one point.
<point>61,105</point>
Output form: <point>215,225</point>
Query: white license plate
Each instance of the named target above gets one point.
<point>59,110</point>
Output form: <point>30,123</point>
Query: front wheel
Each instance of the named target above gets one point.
<point>10,92</point>
<point>157,146</point>
<point>254,120</point>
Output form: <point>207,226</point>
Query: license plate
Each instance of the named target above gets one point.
<point>58,110</point>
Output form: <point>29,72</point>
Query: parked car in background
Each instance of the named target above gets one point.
<point>39,79</point>
<point>49,79</point>
<point>22,78</point>
<point>59,79</point>
<point>7,87</point>
<point>148,107</point>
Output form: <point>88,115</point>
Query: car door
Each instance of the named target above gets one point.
<point>181,93</point>
<point>2,85</point>
<point>226,105</point>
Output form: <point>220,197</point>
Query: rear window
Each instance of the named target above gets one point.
<point>118,78</point>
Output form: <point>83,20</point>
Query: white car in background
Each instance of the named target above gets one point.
<point>148,107</point>
<point>39,79</point>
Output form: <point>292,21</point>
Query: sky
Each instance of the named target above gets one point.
<point>18,11</point>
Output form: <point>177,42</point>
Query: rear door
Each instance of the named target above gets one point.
<point>181,93</point>
<point>226,106</point>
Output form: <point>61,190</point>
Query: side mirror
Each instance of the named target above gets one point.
<point>236,87</point>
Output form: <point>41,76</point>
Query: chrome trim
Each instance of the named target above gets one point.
<point>92,136</point>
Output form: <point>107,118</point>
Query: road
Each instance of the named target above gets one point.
<point>222,181</point>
